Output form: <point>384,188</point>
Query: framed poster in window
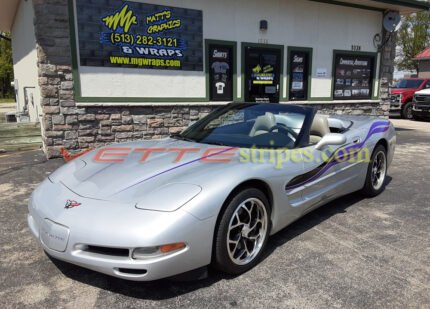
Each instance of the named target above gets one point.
<point>221,68</point>
<point>353,77</point>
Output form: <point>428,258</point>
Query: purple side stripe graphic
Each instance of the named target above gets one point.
<point>377,127</point>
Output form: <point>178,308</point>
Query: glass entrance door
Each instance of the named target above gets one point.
<point>262,74</point>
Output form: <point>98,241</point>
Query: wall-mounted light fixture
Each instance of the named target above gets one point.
<point>264,25</point>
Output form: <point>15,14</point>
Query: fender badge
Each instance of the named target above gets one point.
<point>71,204</point>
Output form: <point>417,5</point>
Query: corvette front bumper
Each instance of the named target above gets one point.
<point>101,235</point>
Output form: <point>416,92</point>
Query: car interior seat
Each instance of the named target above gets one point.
<point>319,128</point>
<point>263,124</point>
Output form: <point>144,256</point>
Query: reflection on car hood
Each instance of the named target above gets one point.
<point>128,180</point>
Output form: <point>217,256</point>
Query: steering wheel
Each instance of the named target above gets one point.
<point>285,129</point>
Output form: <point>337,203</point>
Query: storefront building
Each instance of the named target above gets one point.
<point>104,71</point>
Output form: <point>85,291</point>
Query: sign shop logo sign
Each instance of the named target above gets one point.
<point>123,18</point>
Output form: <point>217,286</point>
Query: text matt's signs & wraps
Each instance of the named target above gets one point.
<point>132,34</point>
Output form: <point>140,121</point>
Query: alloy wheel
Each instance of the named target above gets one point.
<point>379,169</point>
<point>247,231</point>
<point>409,114</point>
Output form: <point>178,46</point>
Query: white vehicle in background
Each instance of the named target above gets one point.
<point>421,105</point>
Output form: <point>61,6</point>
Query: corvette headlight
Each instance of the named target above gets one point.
<point>158,251</point>
<point>170,197</point>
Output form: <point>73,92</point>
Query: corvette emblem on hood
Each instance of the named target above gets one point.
<point>71,204</point>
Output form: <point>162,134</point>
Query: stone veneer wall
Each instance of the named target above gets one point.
<point>388,56</point>
<point>75,128</point>
<point>357,109</point>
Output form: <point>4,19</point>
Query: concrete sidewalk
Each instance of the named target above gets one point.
<point>16,137</point>
<point>7,107</point>
<point>352,253</point>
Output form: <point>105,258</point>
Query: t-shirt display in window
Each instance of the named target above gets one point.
<point>353,77</point>
<point>220,88</point>
<point>220,72</point>
<point>220,67</point>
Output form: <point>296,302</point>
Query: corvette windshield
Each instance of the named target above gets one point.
<point>251,125</point>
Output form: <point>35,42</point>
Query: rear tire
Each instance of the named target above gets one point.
<point>407,111</point>
<point>242,232</point>
<point>376,173</point>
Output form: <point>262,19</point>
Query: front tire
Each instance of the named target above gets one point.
<point>242,232</point>
<point>407,111</point>
<point>376,173</point>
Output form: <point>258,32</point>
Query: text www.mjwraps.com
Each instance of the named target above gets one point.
<point>142,62</point>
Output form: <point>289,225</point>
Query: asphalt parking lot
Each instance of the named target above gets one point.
<point>351,253</point>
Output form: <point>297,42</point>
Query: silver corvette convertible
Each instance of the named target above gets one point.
<point>211,195</point>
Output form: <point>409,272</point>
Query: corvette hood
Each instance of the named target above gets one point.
<point>130,180</point>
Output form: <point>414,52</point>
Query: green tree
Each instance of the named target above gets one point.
<point>6,66</point>
<point>412,38</point>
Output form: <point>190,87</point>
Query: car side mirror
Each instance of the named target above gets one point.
<point>331,139</point>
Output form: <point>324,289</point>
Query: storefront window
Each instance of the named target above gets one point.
<point>221,67</point>
<point>299,68</point>
<point>353,77</point>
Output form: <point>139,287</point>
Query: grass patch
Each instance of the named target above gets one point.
<point>7,100</point>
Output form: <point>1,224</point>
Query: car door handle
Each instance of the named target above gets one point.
<point>356,140</point>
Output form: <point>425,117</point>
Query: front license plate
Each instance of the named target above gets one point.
<point>54,236</point>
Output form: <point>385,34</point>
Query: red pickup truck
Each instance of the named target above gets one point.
<point>402,94</point>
